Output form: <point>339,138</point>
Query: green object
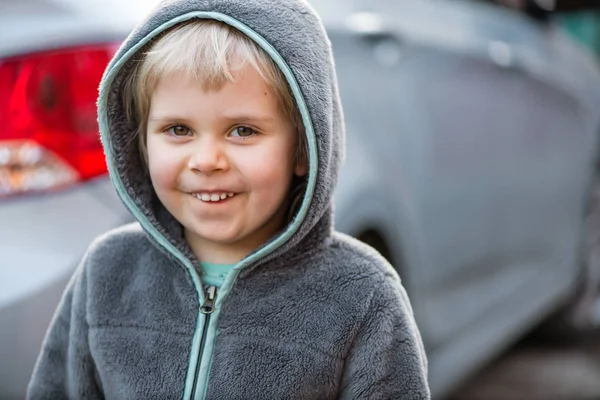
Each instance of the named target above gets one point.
<point>215,274</point>
<point>584,26</point>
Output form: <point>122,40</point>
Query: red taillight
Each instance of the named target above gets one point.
<point>48,130</point>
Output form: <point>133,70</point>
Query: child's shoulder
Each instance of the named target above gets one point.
<point>356,267</point>
<point>121,257</point>
<point>125,247</point>
<point>122,240</point>
<point>359,257</point>
<point>373,276</point>
<point>359,275</point>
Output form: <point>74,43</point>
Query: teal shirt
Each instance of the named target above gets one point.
<point>214,274</point>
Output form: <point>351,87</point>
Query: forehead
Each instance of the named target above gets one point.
<point>248,93</point>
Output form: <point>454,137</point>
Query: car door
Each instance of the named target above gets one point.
<point>487,151</point>
<point>509,144</point>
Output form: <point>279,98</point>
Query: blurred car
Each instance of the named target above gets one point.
<point>472,141</point>
<point>472,134</point>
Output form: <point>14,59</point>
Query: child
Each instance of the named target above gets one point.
<point>233,284</point>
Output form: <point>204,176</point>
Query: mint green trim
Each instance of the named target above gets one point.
<point>207,355</point>
<point>194,352</point>
<point>105,85</point>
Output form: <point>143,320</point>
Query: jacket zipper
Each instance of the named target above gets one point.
<point>207,309</point>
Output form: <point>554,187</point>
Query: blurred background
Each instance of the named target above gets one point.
<point>472,165</point>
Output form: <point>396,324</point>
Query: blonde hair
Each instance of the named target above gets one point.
<point>207,51</point>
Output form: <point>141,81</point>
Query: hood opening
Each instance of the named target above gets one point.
<point>312,81</point>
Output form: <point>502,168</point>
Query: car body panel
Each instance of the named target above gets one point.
<point>42,239</point>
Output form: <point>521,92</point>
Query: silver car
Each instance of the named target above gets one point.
<point>471,148</point>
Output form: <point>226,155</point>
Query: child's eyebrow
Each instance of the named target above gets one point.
<point>167,118</point>
<point>249,118</point>
<point>229,118</point>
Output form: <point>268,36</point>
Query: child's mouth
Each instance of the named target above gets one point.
<point>213,197</point>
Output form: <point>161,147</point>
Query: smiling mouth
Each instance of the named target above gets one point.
<point>212,197</point>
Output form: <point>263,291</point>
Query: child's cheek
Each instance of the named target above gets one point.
<point>270,174</point>
<point>162,167</point>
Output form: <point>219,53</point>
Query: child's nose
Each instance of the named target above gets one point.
<point>208,155</point>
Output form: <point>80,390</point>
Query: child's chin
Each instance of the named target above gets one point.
<point>216,235</point>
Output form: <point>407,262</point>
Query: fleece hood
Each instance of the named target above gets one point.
<point>293,35</point>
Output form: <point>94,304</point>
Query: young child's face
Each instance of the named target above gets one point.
<point>232,144</point>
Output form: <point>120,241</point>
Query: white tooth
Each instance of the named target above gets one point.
<point>229,194</point>
<point>205,197</point>
<point>223,196</point>
<point>215,197</point>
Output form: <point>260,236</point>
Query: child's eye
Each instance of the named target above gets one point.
<point>178,130</point>
<point>243,131</point>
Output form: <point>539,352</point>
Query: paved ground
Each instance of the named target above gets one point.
<point>536,370</point>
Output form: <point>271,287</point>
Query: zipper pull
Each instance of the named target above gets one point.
<point>209,303</point>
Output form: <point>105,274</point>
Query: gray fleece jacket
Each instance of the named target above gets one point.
<point>312,314</point>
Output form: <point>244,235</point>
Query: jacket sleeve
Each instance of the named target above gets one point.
<point>387,359</point>
<point>64,368</point>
